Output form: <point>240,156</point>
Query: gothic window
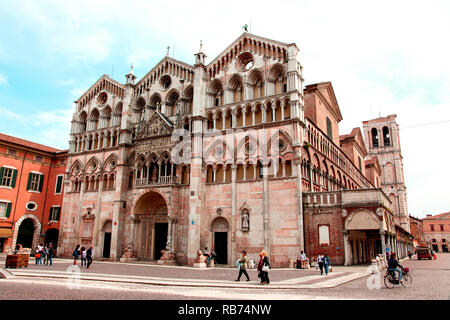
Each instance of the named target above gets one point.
<point>329,129</point>
<point>386,137</point>
<point>375,142</point>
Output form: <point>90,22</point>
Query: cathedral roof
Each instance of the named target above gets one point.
<point>325,92</point>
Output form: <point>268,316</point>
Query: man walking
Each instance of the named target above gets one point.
<point>243,266</point>
<point>50,254</point>
<point>89,256</point>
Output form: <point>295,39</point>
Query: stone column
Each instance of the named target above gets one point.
<point>266,216</point>
<point>233,212</point>
<point>383,244</point>
<point>346,250</point>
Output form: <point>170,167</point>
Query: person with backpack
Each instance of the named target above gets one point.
<point>83,256</point>
<point>89,256</point>
<point>243,266</point>
<point>76,254</point>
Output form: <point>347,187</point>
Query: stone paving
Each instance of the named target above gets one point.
<point>188,276</point>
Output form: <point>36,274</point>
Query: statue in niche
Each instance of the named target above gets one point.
<point>245,221</point>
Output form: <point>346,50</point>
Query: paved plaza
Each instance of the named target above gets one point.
<point>111,280</point>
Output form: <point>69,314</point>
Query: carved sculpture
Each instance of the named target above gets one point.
<point>200,257</point>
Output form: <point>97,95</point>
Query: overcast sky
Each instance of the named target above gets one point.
<point>389,57</point>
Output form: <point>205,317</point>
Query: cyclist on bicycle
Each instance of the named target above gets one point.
<point>394,266</point>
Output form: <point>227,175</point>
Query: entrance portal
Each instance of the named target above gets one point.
<point>51,236</point>
<point>220,241</point>
<point>107,245</point>
<point>26,232</point>
<point>152,227</point>
<point>160,239</point>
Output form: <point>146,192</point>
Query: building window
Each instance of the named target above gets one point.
<point>329,129</point>
<point>35,182</point>
<point>5,209</point>
<point>444,241</point>
<point>12,152</point>
<point>38,158</point>
<point>324,235</point>
<point>31,206</point>
<point>433,240</point>
<point>54,213</point>
<point>442,227</point>
<point>59,182</point>
<point>375,142</point>
<point>8,177</point>
<point>360,164</point>
<point>386,137</point>
<point>432,227</point>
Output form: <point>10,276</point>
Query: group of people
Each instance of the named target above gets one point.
<point>86,256</point>
<point>209,255</point>
<point>263,267</point>
<point>44,254</point>
<point>323,262</point>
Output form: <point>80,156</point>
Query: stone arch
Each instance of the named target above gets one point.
<point>362,219</point>
<point>150,202</point>
<point>37,229</point>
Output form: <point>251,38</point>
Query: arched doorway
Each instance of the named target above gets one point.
<point>51,236</point>
<point>107,231</point>
<point>220,240</point>
<point>151,213</point>
<point>26,233</point>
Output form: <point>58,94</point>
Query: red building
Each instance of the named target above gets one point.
<point>31,192</point>
<point>437,231</point>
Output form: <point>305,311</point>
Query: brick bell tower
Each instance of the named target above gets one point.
<point>382,138</point>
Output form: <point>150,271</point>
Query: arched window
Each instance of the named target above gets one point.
<point>386,137</point>
<point>375,142</point>
<point>329,129</point>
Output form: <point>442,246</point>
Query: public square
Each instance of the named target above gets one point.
<point>111,281</point>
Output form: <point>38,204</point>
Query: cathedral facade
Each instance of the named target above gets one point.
<point>224,155</point>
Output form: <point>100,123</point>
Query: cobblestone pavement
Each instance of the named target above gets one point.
<point>431,280</point>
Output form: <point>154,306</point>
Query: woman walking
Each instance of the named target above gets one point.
<point>243,266</point>
<point>76,254</point>
<point>326,263</point>
<point>83,257</point>
<point>263,267</point>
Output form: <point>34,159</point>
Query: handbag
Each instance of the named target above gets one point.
<point>265,268</point>
<point>331,269</point>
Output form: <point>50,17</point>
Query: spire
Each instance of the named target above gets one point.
<point>168,49</point>
<point>130,76</point>
<point>200,56</point>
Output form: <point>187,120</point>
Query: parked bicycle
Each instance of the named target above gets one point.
<point>390,280</point>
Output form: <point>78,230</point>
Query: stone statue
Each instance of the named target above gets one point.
<point>245,221</point>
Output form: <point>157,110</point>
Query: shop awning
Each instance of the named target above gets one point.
<point>5,233</point>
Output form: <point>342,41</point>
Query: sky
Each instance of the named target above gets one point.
<point>383,57</point>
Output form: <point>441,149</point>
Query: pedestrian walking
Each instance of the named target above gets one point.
<point>83,256</point>
<point>243,266</point>
<point>45,255</point>
<point>51,252</point>
<point>320,262</point>
<point>326,264</point>
<point>89,256</point>
<point>76,254</point>
<point>302,260</point>
<point>39,254</point>
<point>409,254</point>
<point>264,267</point>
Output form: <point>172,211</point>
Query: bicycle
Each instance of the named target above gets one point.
<point>390,280</point>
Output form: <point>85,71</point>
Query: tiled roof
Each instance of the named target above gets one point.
<point>442,216</point>
<point>26,143</point>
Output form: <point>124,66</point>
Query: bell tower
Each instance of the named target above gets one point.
<point>381,136</point>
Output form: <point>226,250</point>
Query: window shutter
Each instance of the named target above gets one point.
<point>8,209</point>
<point>41,182</point>
<point>1,174</point>
<point>14,178</point>
<point>57,214</point>
<point>29,181</point>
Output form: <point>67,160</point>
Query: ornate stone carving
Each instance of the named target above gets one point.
<point>155,126</point>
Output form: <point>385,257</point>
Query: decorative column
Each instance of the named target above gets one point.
<point>383,244</point>
<point>346,249</point>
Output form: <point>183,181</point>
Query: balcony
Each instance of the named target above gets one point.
<point>148,182</point>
